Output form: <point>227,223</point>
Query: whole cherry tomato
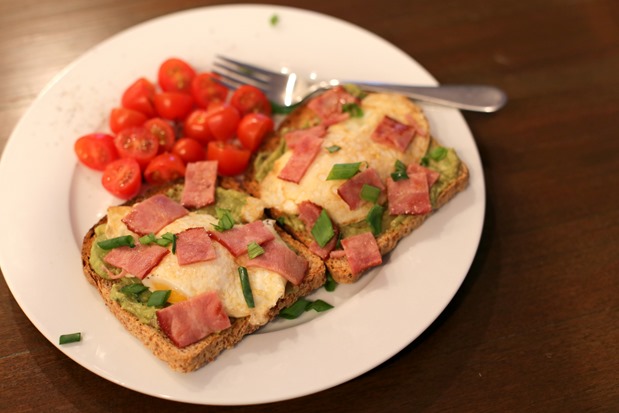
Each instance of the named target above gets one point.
<point>231,159</point>
<point>173,105</point>
<point>222,120</point>
<point>96,150</point>
<point>196,127</point>
<point>122,118</point>
<point>175,75</point>
<point>252,129</point>
<point>165,167</point>
<point>122,178</point>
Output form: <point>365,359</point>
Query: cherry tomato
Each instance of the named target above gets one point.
<point>122,178</point>
<point>252,129</point>
<point>231,159</point>
<point>189,150</point>
<point>139,96</point>
<point>163,131</point>
<point>122,118</point>
<point>164,168</point>
<point>196,126</point>
<point>222,120</point>
<point>96,150</point>
<point>205,89</point>
<point>137,143</point>
<point>248,99</point>
<point>175,75</point>
<point>173,105</point>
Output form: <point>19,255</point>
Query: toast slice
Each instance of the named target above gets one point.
<point>453,174</point>
<point>194,356</point>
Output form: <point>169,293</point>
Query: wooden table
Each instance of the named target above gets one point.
<point>535,326</point>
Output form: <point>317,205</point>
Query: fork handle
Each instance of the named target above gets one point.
<point>478,98</point>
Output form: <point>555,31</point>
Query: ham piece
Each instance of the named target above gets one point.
<point>194,245</point>
<point>152,214</point>
<point>392,133</point>
<point>409,196</point>
<point>190,321</point>
<point>361,252</point>
<point>350,191</point>
<point>308,214</point>
<point>279,258</point>
<point>305,145</point>
<point>199,188</point>
<point>328,106</point>
<point>238,237</point>
<point>137,261</point>
<point>430,174</point>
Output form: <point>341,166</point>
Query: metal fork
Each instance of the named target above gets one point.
<point>288,89</point>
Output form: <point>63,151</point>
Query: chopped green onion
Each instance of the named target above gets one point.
<point>437,153</point>
<point>425,161</point>
<point>123,241</point>
<point>247,294</point>
<point>274,20</point>
<point>147,239</point>
<point>167,239</point>
<point>352,108</point>
<point>343,171</point>
<point>254,250</point>
<point>330,283</point>
<point>370,193</point>
<point>333,148</point>
<point>70,338</point>
<point>375,219</point>
<point>295,310</point>
<point>323,229</point>
<point>400,171</point>
<point>226,221</point>
<point>133,289</point>
<point>319,306</point>
<point>158,298</point>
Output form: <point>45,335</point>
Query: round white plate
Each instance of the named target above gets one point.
<point>49,202</point>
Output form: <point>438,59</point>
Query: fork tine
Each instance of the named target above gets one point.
<point>233,80</point>
<point>246,68</point>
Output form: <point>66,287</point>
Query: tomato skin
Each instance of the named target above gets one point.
<point>122,118</point>
<point>137,143</point>
<point>249,99</point>
<point>139,96</point>
<point>163,131</point>
<point>231,159</point>
<point>189,150</point>
<point>96,150</point>
<point>164,168</point>
<point>173,105</point>
<point>205,89</point>
<point>122,178</point>
<point>196,126</point>
<point>252,129</point>
<point>175,75</point>
<point>222,120</point>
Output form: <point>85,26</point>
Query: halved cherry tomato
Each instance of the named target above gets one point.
<point>175,75</point>
<point>139,96</point>
<point>231,159</point>
<point>96,150</point>
<point>122,178</point>
<point>137,143</point>
<point>163,131</point>
<point>122,118</point>
<point>189,150</point>
<point>196,127</point>
<point>173,105</point>
<point>250,99</point>
<point>164,168</point>
<point>252,129</point>
<point>206,89</point>
<point>222,120</point>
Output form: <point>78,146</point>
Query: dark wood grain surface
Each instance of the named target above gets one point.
<point>535,326</point>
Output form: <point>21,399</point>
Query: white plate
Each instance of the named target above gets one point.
<point>49,201</point>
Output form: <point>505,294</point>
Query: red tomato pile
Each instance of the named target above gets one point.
<point>185,117</point>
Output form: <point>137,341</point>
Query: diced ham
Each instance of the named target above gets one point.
<point>305,148</point>
<point>137,261</point>
<point>308,214</point>
<point>238,237</point>
<point>362,252</point>
<point>328,105</point>
<point>279,258</point>
<point>393,133</point>
<point>194,245</point>
<point>199,188</point>
<point>409,196</point>
<point>430,174</point>
<point>293,137</point>
<point>350,191</point>
<point>190,321</point>
<point>152,214</point>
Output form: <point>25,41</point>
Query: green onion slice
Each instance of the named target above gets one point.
<point>330,283</point>
<point>343,170</point>
<point>370,193</point>
<point>147,239</point>
<point>123,241</point>
<point>323,229</point>
<point>333,148</point>
<point>399,171</point>
<point>226,221</point>
<point>158,298</point>
<point>319,306</point>
<point>295,310</point>
<point>254,250</point>
<point>247,294</point>
<point>133,289</point>
<point>353,109</point>
<point>70,338</point>
<point>437,153</point>
<point>375,219</point>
